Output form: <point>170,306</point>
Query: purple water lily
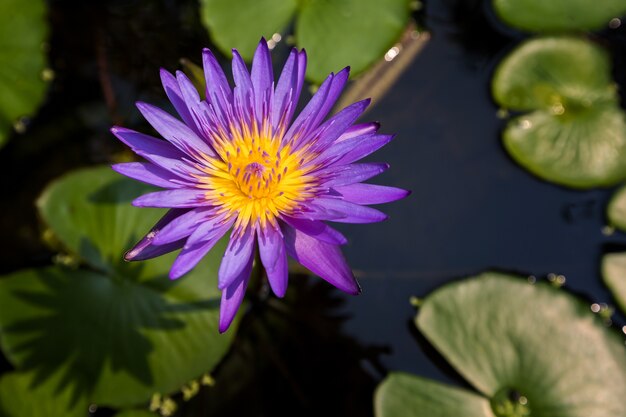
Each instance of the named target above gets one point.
<point>237,162</point>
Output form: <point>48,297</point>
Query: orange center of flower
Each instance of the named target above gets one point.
<point>256,179</point>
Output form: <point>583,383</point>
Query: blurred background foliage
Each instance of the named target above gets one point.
<point>84,333</point>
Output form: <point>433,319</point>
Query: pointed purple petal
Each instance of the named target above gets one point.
<point>352,213</point>
<point>148,173</point>
<point>317,229</point>
<point>274,258</point>
<point>193,252</point>
<point>371,193</point>
<point>179,198</point>
<point>363,129</point>
<point>182,226</point>
<point>239,249</point>
<point>232,296</point>
<point>218,90</point>
<point>144,249</point>
<point>321,258</point>
<point>335,176</point>
<point>262,75</point>
<point>286,90</point>
<point>350,150</point>
<point>336,87</point>
<point>175,132</point>
<point>172,90</point>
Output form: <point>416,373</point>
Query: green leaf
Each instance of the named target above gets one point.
<point>558,15</point>
<point>614,274</point>
<point>355,33</point>
<point>576,133</point>
<point>616,210</point>
<point>124,331</point>
<point>240,24</point>
<point>20,396</point>
<point>23,31</point>
<point>402,395</point>
<point>512,339</point>
<point>335,33</point>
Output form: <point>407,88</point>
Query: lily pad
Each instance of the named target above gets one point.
<point>616,210</point>
<point>528,350</point>
<point>614,274</point>
<point>23,31</point>
<point>115,333</point>
<point>18,398</point>
<point>558,15</point>
<point>335,33</point>
<point>575,134</point>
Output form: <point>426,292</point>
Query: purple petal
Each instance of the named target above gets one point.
<point>371,194</point>
<point>244,92</point>
<point>175,132</point>
<point>337,85</point>
<point>287,92</point>
<point>352,213</point>
<point>144,249</point>
<point>148,173</point>
<point>349,174</point>
<point>157,151</point>
<point>240,247</point>
<point>262,75</point>
<point>211,227</point>
<point>232,296</point>
<point>274,258</point>
<point>353,149</point>
<point>180,198</point>
<point>363,129</point>
<point>182,226</point>
<point>193,252</point>
<point>317,229</point>
<point>218,91</point>
<point>172,90</point>
<point>320,258</point>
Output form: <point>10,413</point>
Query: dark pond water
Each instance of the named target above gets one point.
<point>472,208</point>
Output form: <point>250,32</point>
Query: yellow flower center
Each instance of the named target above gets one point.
<point>255,179</point>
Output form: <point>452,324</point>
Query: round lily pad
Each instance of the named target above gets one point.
<point>21,396</point>
<point>528,350</point>
<point>558,15</point>
<point>614,274</point>
<point>118,332</point>
<point>23,31</point>
<point>616,210</point>
<point>335,33</point>
<point>575,133</point>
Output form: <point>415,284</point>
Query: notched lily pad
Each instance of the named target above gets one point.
<point>616,210</point>
<point>558,15</point>
<point>575,133</point>
<point>23,32</point>
<point>336,33</point>
<point>614,275</point>
<point>117,332</point>
<point>528,350</point>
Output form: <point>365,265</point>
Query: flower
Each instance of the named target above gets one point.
<point>237,162</point>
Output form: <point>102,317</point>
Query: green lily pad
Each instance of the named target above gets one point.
<point>119,332</point>
<point>23,31</point>
<point>411,396</point>
<point>614,274</point>
<point>575,134</point>
<point>19,398</point>
<point>528,350</point>
<point>335,33</point>
<point>616,210</point>
<point>558,15</point>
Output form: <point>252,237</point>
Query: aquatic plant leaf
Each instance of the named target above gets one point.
<point>534,347</point>
<point>576,133</point>
<point>240,24</point>
<point>354,33</point>
<point>616,210</point>
<point>120,333</point>
<point>23,31</point>
<point>20,397</point>
<point>614,275</point>
<point>406,395</point>
<point>336,34</point>
<point>558,15</point>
